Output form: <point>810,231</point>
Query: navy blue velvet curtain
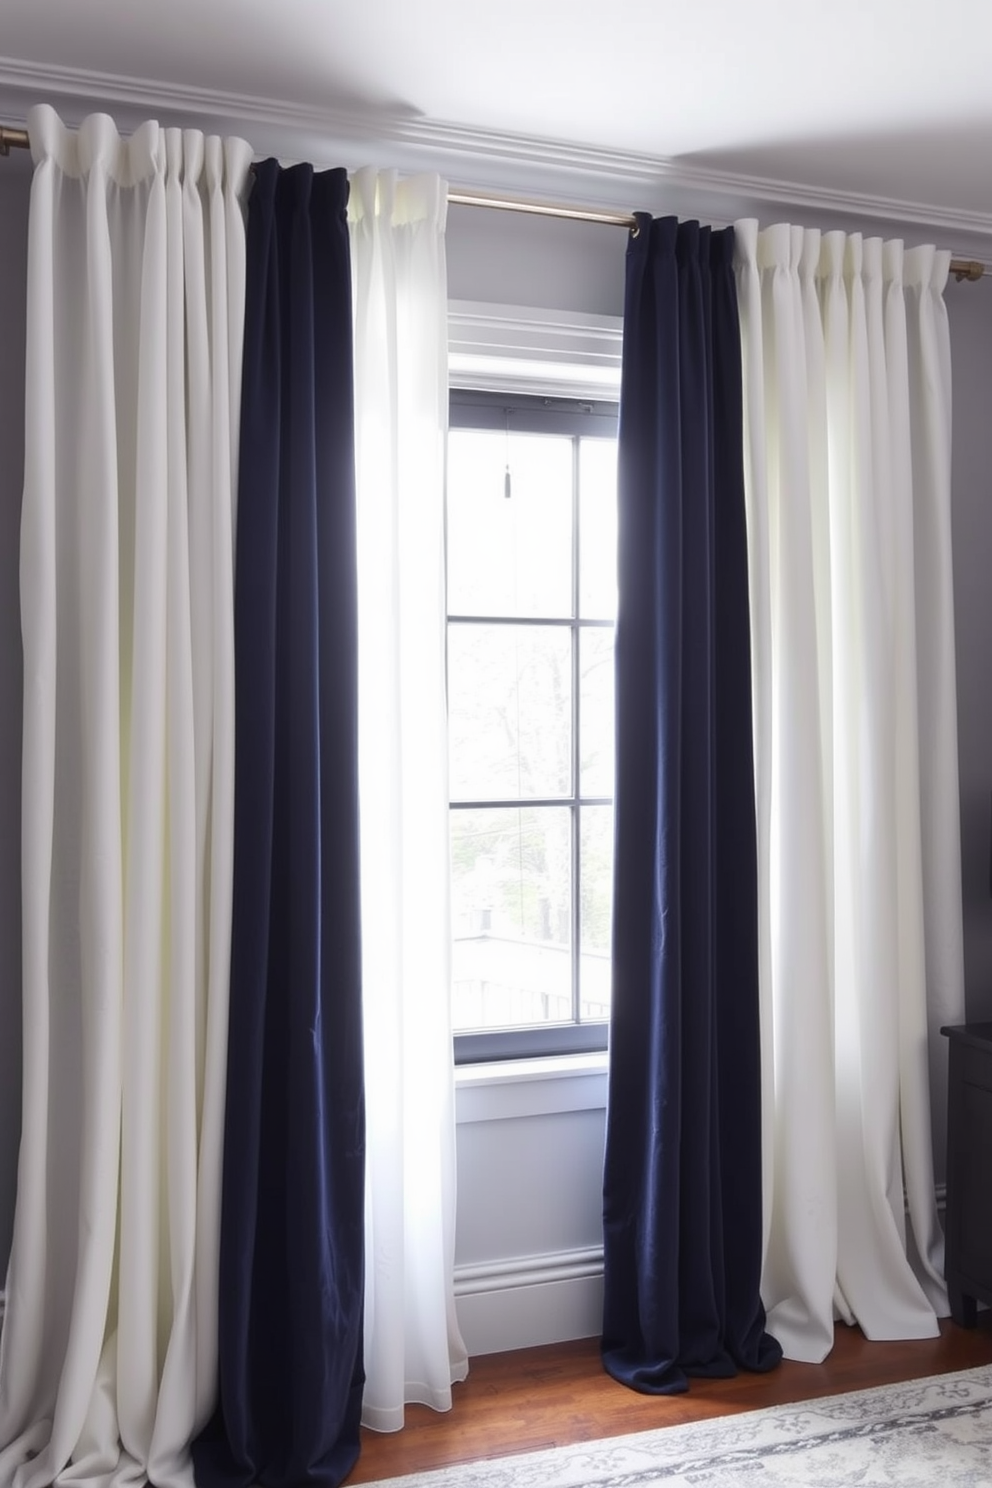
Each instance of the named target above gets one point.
<point>292,1241</point>
<point>682,1186</point>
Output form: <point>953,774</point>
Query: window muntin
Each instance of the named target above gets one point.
<point>531,607</point>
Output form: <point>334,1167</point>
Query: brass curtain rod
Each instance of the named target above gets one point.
<point>962,268</point>
<point>540,209</point>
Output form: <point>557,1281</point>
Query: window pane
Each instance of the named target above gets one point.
<point>598,529</point>
<point>596,901</point>
<point>596,722</point>
<point>511,882</point>
<point>509,555</point>
<point>509,711</point>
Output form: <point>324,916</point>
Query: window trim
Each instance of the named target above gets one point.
<point>519,349</point>
<point>548,413</point>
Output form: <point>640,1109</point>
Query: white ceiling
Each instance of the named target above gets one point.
<point>882,99</point>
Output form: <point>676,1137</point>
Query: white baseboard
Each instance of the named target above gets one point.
<point>530,1300</point>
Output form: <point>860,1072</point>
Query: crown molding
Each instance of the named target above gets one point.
<point>76,86</point>
<point>478,158</point>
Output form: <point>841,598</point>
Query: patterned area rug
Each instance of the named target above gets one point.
<point>930,1433</point>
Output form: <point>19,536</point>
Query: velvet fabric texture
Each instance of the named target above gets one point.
<point>682,1185</point>
<point>292,1242</point>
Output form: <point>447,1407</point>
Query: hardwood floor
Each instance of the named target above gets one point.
<point>547,1397</point>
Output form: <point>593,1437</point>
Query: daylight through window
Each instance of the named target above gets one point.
<point>531,537</point>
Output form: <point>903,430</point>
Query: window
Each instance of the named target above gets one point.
<point>531,535</point>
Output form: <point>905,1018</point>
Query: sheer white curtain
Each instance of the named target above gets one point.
<point>135,311</point>
<point>413,1350</point>
<point>847,449</point>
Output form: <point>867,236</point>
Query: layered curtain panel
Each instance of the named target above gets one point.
<point>413,1349</point>
<point>682,1186</point>
<point>847,439</point>
<point>292,1246</point>
<point>134,307</point>
<point>225,834</point>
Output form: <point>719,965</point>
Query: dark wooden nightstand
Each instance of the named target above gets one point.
<point>968,1253</point>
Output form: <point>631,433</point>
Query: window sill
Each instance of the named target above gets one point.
<point>530,1087</point>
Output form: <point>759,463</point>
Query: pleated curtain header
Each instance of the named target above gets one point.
<point>836,254</point>
<point>128,160</point>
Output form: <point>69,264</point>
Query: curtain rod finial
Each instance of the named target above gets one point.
<point>967,268</point>
<point>12,139</point>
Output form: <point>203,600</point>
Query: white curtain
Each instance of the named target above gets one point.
<point>847,456</point>
<point>135,314</point>
<point>413,1350</point>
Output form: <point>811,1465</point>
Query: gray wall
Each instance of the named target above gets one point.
<point>970,314</point>
<point>14,184</point>
<point>510,258</point>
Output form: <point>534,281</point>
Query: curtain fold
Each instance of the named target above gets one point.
<point>292,1240</point>
<point>135,304</point>
<point>847,394</point>
<point>413,1349</point>
<point>682,1184</point>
